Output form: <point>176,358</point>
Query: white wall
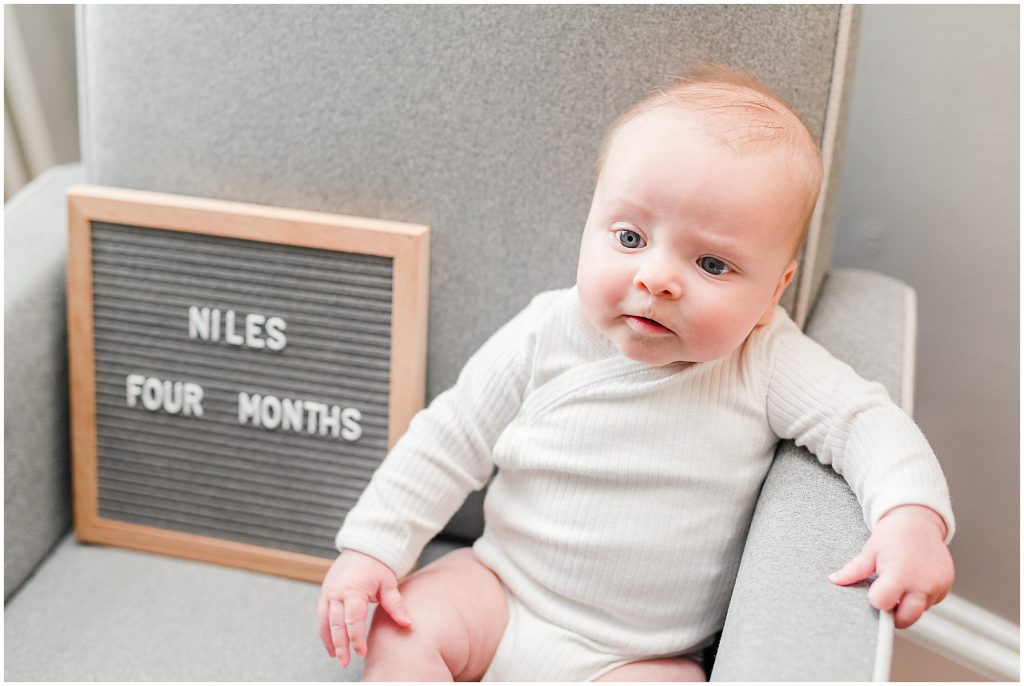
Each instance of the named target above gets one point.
<point>930,195</point>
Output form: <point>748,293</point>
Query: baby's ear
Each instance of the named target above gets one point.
<point>780,288</point>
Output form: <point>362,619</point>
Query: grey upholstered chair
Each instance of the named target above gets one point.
<point>482,122</point>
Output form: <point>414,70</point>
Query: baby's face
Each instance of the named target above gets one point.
<point>687,233</point>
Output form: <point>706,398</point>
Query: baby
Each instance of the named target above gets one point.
<point>633,418</point>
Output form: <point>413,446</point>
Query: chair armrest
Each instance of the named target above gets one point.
<point>37,506</point>
<point>786,620</point>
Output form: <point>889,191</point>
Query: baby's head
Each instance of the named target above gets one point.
<point>703,193</point>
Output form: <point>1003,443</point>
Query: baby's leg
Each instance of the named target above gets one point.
<point>459,614</point>
<point>662,669</point>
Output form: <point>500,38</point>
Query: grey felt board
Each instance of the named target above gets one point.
<point>213,474</point>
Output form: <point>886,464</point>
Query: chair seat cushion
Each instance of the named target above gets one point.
<point>97,613</point>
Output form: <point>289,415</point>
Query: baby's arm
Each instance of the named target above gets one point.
<point>445,454</point>
<point>853,425</point>
<point>908,551</point>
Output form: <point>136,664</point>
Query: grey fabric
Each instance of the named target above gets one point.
<point>786,620</point>
<point>94,613</point>
<point>861,316</point>
<point>808,523</point>
<point>36,465</point>
<point>467,524</point>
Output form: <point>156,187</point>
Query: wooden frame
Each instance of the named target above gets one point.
<point>407,244</point>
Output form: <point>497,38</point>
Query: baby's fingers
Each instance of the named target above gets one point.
<point>339,634</point>
<point>391,601</point>
<point>355,622</point>
<point>910,609</point>
<point>858,568</point>
<point>325,629</point>
<point>885,593</point>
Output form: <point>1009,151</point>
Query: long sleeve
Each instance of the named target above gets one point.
<point>851,424</point>
<point>446,451</point>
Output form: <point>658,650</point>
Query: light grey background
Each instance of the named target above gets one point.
<point>930,194</point>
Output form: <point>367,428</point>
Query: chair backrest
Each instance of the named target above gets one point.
<point>482,122</point>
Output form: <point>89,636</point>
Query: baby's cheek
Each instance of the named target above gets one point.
<point>598,290</point>
<point>719,336</point>
<point>590,300</point>
<point>608,294</point>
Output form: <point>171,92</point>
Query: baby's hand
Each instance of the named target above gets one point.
<point>915,569</point>
<point>353,581</point>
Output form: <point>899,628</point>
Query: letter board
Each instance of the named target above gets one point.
<point>237,372</point>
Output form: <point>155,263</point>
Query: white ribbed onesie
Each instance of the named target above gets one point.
<point>624,491</point>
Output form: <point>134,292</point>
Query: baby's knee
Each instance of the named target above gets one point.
<point>398,653</point>
<point>433,634</point>
<point>458,612</point>
<point>384,632</point>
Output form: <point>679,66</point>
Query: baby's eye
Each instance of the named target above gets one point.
<point>713,265</point>
<point>630,239</point>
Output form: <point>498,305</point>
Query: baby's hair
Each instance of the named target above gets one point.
<point>739,111</point>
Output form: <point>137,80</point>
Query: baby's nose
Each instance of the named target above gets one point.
<point>660,280</point>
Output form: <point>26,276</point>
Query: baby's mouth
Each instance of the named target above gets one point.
<point>645,325</point>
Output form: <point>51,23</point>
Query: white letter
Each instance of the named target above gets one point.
<point>292,420</point>
<point>151,392</point>
<point>216,324</point>
<point>275,338</point>
<point>229,329</point>
<point>313,411</point>
<point>331,420</point>
<point>352,430</point>
<point>252,330</point>
<point>193,399</point>
<point>247,406</point>
<point>199,323</point>
<point>133,387</point>
<point>172,397</point>
<point>270,412</point>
